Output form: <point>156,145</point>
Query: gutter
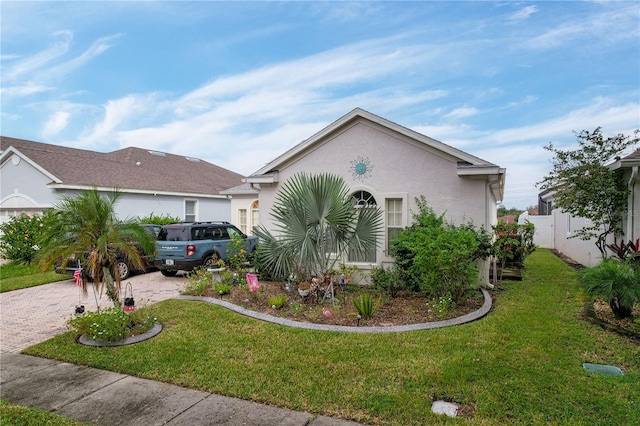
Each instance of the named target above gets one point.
<point>632,213</point>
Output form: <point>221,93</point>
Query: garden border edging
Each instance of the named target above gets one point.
<point>472,316</point>
<point>155,330</point>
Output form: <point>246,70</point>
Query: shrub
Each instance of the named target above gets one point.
<point>155,219</point>
<point>387,280</point>
<point>617,282</point>
<point>21,236</point>
<point>513,243</point>
<point>436,257</point>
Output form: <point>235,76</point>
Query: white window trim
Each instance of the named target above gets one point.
<point>195,208</point>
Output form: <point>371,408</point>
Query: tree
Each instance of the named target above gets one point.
<point>585,187</point>
<point>86,226</point>
<point>316,223</point>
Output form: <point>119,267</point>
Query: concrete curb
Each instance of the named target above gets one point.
<point>473,316</point>
<point>155,330</point>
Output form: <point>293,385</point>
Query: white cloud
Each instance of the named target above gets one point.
<point>31,64</point>
<point>97,48</point>
<point>523,14</point>
<point>56,123</point>
<point>22,90</point>
<point>462,112</point>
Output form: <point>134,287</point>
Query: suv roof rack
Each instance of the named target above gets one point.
<point>221,222</point>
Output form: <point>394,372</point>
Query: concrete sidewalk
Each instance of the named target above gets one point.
<point>106,398</point>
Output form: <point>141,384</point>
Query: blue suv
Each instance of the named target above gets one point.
<point>187,246</point>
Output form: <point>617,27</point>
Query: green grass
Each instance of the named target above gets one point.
<point>15,276</point>
<point>14,415</point>
<point>520,364</point>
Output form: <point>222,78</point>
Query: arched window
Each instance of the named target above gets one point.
<point>363,199</point>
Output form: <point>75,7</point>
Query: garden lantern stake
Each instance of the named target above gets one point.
<point>129,303</point>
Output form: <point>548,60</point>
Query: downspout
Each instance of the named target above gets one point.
<point>632,213</point>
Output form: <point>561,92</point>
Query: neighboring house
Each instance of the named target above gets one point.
<point>33,175</point>
<point>631,221</point>
<point>555,228</point>
<point>386,165</point>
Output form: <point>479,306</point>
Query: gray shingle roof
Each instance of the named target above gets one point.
<point>126,169</point>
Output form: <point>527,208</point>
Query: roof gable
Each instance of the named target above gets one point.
<point>461,157</point>
<point>129,169</point>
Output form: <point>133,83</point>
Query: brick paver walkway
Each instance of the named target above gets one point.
<point>38,313</point>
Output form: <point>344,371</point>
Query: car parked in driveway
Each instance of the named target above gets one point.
<point>187,246</point>
<point>122,266</point>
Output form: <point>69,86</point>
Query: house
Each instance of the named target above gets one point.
<point>555,229</point>
<point>387,165</point>
<point>33,175</point>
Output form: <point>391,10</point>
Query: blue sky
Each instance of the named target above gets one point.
<point>239,83</point>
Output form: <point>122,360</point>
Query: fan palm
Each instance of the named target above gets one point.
<point>86,226</point>
<point>316,223</point>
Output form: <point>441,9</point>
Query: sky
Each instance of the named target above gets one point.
<point>239,83</point>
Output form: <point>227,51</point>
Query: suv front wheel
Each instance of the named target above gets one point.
<point>122,269</point>
<point>168,273</point>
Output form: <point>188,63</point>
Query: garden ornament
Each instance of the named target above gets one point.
<point>252,282</point>
<point>129,303</point>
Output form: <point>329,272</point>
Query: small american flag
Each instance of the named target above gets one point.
<point>78,277</point>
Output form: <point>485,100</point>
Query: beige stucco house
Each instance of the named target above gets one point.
<point>385,164</point>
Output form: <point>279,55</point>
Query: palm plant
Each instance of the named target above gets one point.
<point>316,223</point>
<point>617,282</point>
<point>86,226</point>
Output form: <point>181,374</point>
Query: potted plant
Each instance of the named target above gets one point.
<point>304,288</point>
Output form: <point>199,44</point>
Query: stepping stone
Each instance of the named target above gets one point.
<point>607,370</point>
<point>444,407</point>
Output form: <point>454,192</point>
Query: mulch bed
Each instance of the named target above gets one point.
<point>406,308</point>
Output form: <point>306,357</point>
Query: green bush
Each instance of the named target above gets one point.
<point>21,236</point>
<point>617,282</point>
<point>155,219</point>
<point>387,280</point>
<point>438,258</point>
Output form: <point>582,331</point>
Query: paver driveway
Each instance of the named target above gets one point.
<point>38,313</point>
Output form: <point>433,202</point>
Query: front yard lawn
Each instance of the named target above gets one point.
<point>520,364</point>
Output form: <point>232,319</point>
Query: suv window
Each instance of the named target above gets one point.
<point>174,233</point>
